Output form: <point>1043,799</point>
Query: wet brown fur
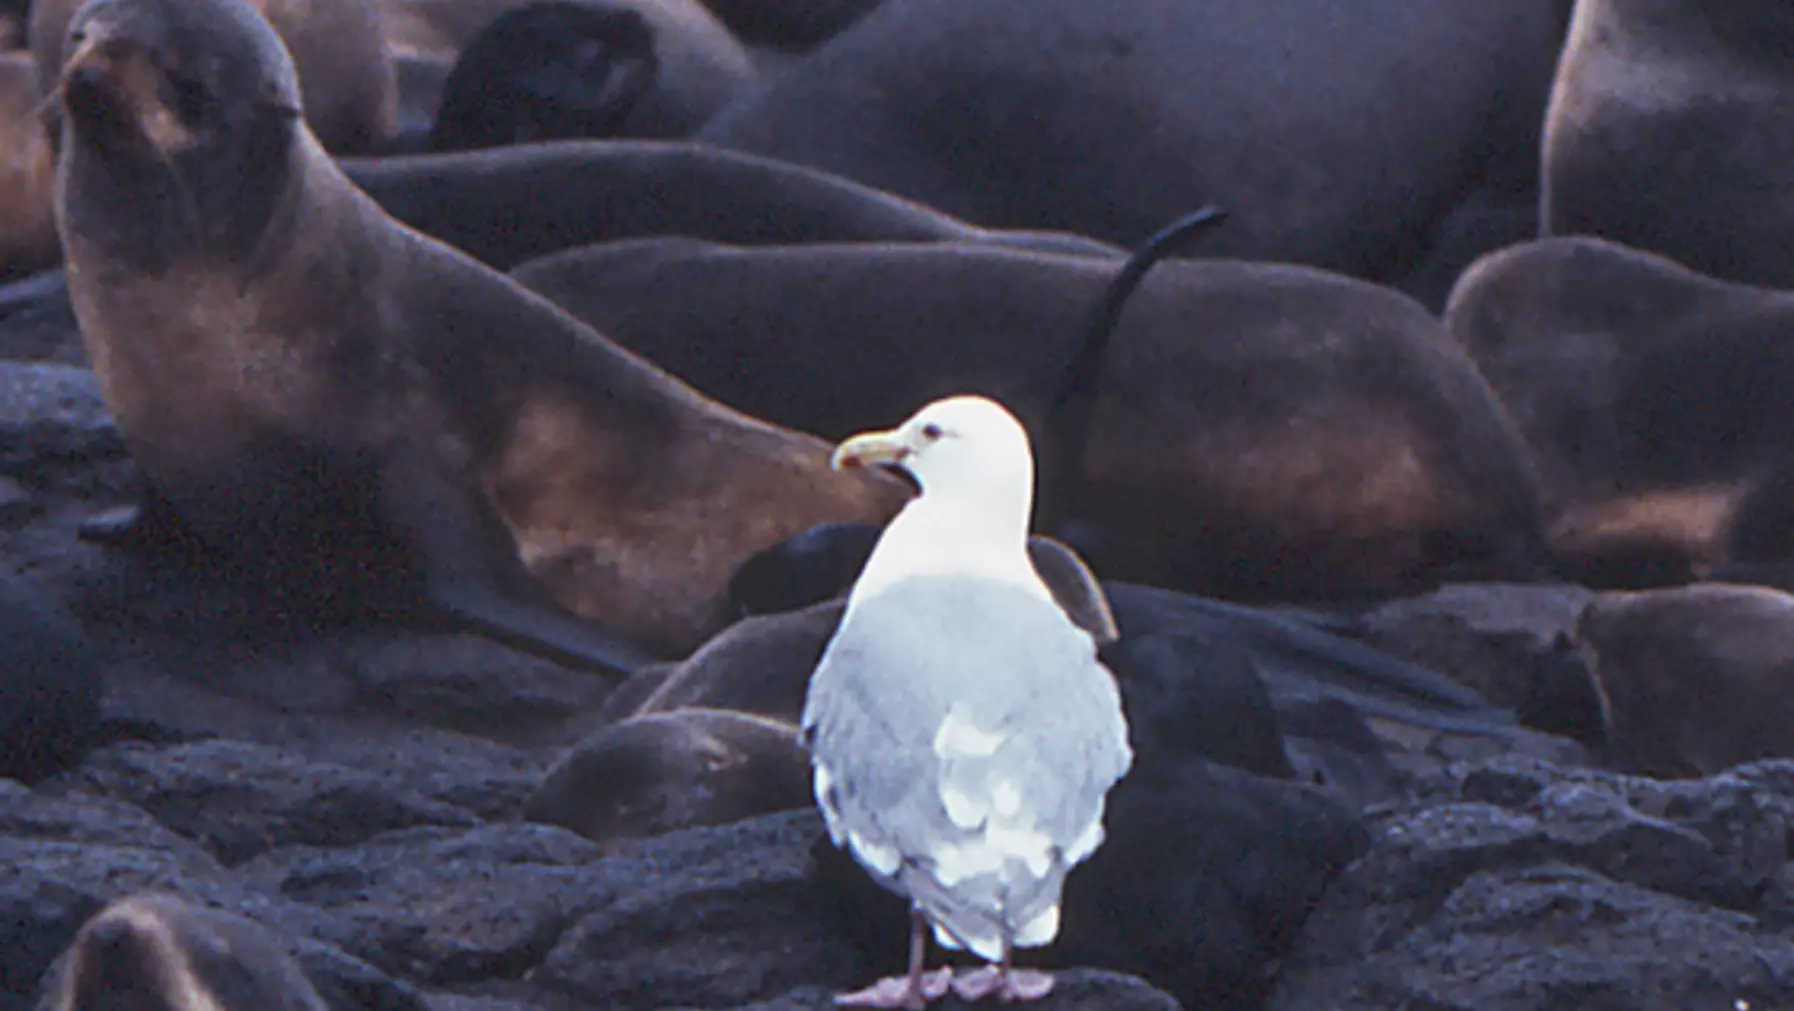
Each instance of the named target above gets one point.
<point>1667,132</point>
<point>674,770</point>
<point>1653,397</point>
<point>1267,430</point>
<point>346,74</point>
<point>489,204</point>
<point>476,407</point>
<point>156,950</point>
<point>27,172</point>
<point>1694,679</point>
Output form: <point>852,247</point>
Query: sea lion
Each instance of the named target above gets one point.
<point>27,172</point>
<point>1693,680</point>
<point>673,770</point>
<point>157,951</point>
<point>1653,398</point>
<point>758,665</point>
<point>1108,119</point>
<point>547,71</point>
<point>49,685</point>
<point>346,73</point>
<point>333,400</point>
<point>762,665</point>
<point>1263,430</point>
<point>509,205</point>
<point>696,66</point>
<point>1667,131</point>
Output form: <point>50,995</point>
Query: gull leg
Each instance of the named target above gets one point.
<point>912,991</point>
<point>1011,985</point>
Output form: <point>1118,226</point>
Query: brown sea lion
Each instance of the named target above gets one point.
<point>697,66</point>
<point>1694,679</point>
<point>1109,119</point>
<point>1667,131</point>
<point>346,73</point>
<point>1263,430</point>
<point>27,172</point>
<point>673,770</point>
<point>329,398</point>
<point>509,205</point>
<point>157,952</point>
<point>1654,398</point>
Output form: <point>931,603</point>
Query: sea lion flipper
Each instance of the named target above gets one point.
<point>1067,428</point>
<point>150,526</point>
<point>538,629</point>
<point>473,580</point>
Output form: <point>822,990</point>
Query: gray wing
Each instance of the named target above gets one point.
<point>964,737</point>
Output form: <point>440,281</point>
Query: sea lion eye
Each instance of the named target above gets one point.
<point>931,431</point>
<point>191,100</point>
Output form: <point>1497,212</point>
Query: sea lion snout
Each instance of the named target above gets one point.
<point>116,87</point>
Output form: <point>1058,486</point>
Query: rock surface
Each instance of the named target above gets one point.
<point>1516,884</point>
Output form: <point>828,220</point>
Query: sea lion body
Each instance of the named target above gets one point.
<point>1667,131</point>
<point>27,171</point>
<point>1653,398</point>
<point>1693,680</point>
<point>697,66</point>
<point>666,771</point>
<point>1269,430</point>
<point>1109,119</point>
<point>346,73</point>
<point>156,952</point>
<point>304,379</point>
<point>503,206</point>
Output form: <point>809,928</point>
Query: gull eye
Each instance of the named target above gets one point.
<point>931,431</point>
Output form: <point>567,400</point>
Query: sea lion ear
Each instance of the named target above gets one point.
<point>277,103</point>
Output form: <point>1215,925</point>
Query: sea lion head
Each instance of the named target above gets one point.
<point>181,129</point>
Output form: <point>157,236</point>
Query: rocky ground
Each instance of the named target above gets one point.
<point>360,793</point>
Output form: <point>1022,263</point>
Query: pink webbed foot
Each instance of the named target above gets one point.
<point>1012,986</point>
<point>897,991</point>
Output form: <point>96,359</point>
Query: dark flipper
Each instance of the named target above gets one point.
<point>1067,434</point>
<point>151,526</point>
<point>473,579</point>
<point>540,629</point>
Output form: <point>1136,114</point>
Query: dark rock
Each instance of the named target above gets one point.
<point>37,320</point>
<point>442,906</point>
<point>49,685</point>
<point>707,918</point>
<point>241,799</point>
<point>65,858</point>
<point>312,702</point>
<point>52,415</point>
<point>1519,885</point>
<point>469,685</point>
<point>17,505</point>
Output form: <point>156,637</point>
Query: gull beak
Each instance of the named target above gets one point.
<point>871,448</point>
